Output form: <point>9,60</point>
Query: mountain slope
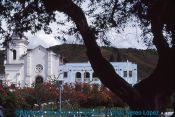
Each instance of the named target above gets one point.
<point>145,59</point>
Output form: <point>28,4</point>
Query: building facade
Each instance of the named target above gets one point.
<point>82,72</point>
<point>24,67</point>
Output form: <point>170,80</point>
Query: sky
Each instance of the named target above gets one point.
<point>129,38</point>
<point>41,38</point>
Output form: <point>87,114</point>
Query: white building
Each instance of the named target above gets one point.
<point>82,72</point>
<point>24,67</point>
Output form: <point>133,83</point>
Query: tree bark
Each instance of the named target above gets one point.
<point>160,85</point>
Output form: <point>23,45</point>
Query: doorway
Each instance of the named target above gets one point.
<point>39,80</point>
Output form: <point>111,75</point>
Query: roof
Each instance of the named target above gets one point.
<point>30,50</point>
<point>87,64</point>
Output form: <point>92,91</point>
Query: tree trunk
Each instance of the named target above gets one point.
<point>158,87</point>
<point>149,94</point>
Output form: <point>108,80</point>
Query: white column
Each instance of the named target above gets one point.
<point>72,77</point>
<point>91,76</point>
<point>82,76</point>
<point>49,64</point>
<point>28,64</point>
<point>127,69</point>
<point>28,74</point>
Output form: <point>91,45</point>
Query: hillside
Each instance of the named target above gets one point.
<point>145,59</point>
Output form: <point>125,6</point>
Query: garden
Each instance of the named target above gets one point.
<point>47,96</point>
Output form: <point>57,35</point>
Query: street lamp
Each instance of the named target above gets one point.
<point>60,86</point>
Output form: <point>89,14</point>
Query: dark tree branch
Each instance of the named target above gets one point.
<point>112,14</point>
<point>114,8</point>
<point>102,67</point>
<point>157,30</point>
<point>142,96</point>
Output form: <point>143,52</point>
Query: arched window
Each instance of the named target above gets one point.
<point>78,75</point>
<point>14,54</point>
<point>39,80</point>
<point>86,75</point>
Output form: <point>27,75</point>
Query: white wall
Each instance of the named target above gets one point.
<point>13,73</point>
<point>49,61</point>
<point>14,68</point>
<point>21,49</point>
<point>120,67</point>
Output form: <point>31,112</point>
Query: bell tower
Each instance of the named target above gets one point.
<point>17,48</point>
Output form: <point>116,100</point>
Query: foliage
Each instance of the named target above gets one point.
<point>7,100</point>
<point>25,98</point>
<point>74,95</point>
<point>90,96</point>
<point>103,16</point>
<point>42,93</point>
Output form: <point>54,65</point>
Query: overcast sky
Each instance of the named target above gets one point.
<point>129,38</point>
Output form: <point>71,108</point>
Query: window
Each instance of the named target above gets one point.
<point>38,68</point>
<point>124,73</point>
<point>130,73</point>
<point>78,75</point>
<point>65,75</point>
<point>86,75</point>
<point>14,54</point>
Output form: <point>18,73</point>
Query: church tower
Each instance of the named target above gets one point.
<point>14,64</point>
<point>17,48</point>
